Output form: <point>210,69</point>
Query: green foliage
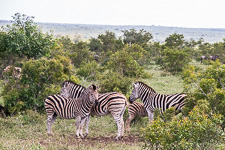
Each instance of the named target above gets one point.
<point>109,42</point>
<point>89,70</point>
<point>112,81</point>
<point>174,60</point>
<point>95,45</point>
<point>25,39</point>
<point>175,41</point>
<point>80,53</point>
<point>133,37</point>
<point>39,79</point>
<point>208,85</point>
<point>196,131</point>
<point>125,62</point>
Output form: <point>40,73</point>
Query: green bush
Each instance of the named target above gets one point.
<point>39,79</point>
<point>123,63</point>
<point>111,81</point>
<point>174,60</point>
<point>89,70</point>
<point>196,131</point>
<point>206,84</point>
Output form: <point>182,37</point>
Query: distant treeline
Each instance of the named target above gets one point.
<point>86,31</point>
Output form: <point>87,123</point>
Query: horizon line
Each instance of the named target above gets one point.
<point>121,25</point>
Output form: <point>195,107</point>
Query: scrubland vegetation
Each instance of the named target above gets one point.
<point>114,64</point>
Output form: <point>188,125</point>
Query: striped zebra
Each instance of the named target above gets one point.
<point>153,100</point>
<point>68,108</point>
<point>134,109</point>
<point>113,102</point>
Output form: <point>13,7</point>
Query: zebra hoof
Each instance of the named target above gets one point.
<point>85,135</point>
<point>50,134</point>
<point>78,137</point>
<point>119,138</point>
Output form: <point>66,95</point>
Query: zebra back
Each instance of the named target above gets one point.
<point>137,108</point>
<point>107,102</point>
<point>69,108</point>
<point>153,100</point>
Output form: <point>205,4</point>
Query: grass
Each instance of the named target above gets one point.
<point>28,131</point>
<point>162,82</point>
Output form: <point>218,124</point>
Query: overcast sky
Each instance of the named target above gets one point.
<point>178,13</point>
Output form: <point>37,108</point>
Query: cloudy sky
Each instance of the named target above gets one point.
<point>178,13</point>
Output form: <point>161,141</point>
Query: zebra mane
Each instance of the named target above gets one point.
<point>71,82</point>
<point>145,85</point>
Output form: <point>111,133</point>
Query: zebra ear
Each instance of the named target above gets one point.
<point>65,83</point>
<point>94,87</point>
<point>134,85</point>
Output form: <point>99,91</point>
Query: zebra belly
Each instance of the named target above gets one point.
<point>93,113</point>
<point>73,116</point>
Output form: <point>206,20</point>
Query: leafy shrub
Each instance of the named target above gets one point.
<point>25,38</point>
<point>196,131</point>
<point>89,70</point>
<point>112,81</point>
<point>208,85</point>
<point>174,60</point>
<point>39,79</point>
<point>123,63</point>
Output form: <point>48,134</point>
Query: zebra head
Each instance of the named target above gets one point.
<point>65,89</point>
<point>135,93</point>
<point>93,94</point>
<point>71,90</point>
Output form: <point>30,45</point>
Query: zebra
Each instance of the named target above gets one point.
<point>134,109</point>
<point>112,102</point>
<point>68,108</point>
<point>153,100</point>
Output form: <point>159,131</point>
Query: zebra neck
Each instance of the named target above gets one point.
<point>146,94</point>
<point>86,102</point>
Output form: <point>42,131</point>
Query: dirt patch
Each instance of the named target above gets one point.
<point>128,140</point>
<point>91,141</point>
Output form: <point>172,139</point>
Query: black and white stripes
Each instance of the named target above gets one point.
<point>68,108</point>
<point>153,100</point>
<point>112,102</point>
<point>134,109</point>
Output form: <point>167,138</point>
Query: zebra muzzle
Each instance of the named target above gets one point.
<point>130,101</point>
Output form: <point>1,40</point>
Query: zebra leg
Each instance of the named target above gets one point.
<point>78,122</point>
<point>118,122</point>
<point>50,121</point>
<point>128,121</point>
<point>122,127</point>
<point>150,116</point>
<point>81,127</point>
<point>122,123</point>
<point>87,124</point>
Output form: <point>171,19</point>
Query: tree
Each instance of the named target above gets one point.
<point>89,70</point>
<point>124,64</point>
<point>174,60</point>
<point>112,81</point>
<point>110,42</point>
<point>133,37</point>
<point>95,45</point>
<point>175,41</point>
<point>80,53</point>
<point>25,39</point>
